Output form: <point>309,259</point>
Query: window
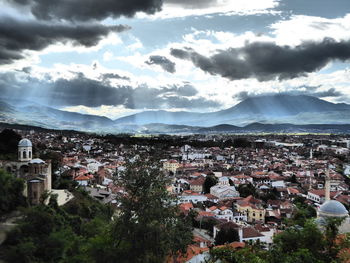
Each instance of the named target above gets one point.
<point>29,154</point>
<point>24,155</point>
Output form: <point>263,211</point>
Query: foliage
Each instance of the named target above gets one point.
<point>249,254</point>
<point>210,181</point>
<point>226,235</point>
<point>55,157</point>
<point>246,190</point>
<point>11,190</point>
<point>303,212</point>
<point>149,227</point>
<point>241,143</point>
<point>272,194</point>
<point>49,233</point>
<point>306,244</point>
<point>9,141</point>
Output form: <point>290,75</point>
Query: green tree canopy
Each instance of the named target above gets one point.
<point>226,235</point>
<point>9,144</point>
<point>11,192</point>
<point>210,181</point>
<point>246,190</point>
<point>148,227</point>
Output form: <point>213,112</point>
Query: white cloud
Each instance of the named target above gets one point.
<point>112,112</point>
<point>302,28</point>
<point>173,9</point>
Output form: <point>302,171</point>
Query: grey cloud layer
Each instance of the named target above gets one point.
<point>17,36</point>
<point>84,10</point>
<point>313,91</point>
<point>92,93</point>
<point>162,61</point>
<point>267,61</point>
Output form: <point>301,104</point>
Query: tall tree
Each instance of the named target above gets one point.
<point>226,235</point>
<point>9,144</point>
<point>11,190</point>
<point>210,181</point>
<point>149,227</point>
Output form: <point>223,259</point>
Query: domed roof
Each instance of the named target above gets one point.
<point>25,143</point>
<point>37,161</point>
<point>333,208</point>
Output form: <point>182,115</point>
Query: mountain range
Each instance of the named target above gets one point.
<point>273,113</point>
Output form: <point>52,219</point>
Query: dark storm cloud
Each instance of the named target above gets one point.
<point>84,10</point>
<point>162,61</point>
<point>93,93</point>
<point>17,36</point>
<point>267,61</point>
<point>303,90</point>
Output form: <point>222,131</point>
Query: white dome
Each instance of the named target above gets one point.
<point>333,208</point>
<point>25,143</point>
<point>37,161</point>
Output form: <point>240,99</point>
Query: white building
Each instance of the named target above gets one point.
<point>223,190</point>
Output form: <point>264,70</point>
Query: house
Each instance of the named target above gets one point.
<point>221,212</point>
<point>185,208</point>
<point>245,233</point>
<point>318,195</point>
<point>196,185</point>
<point>192,198</point>
<point>171,166</point>
<point>82,180</point>
<point>252,208</point>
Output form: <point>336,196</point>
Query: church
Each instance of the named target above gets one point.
<point>35,172</point>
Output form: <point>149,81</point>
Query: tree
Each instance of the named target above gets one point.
<point>226,235</point>
<point>246,190</point>
<point>249,254</point>
<point>49,233</point>
<point>241,143</point>
<point>303,212</point>
<point>298,243</point>
<point>210,181</point>
<point>149,226</point>
<point>11,190</point>
<point>9,144</point>
<point>331,234</point>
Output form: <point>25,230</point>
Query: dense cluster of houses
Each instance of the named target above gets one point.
<point>253,190</point>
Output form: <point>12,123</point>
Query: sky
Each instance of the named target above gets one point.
<point>114,58</point>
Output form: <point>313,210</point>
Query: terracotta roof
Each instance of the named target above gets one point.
<point>212,208</point>
<point>292,190</point>
<point>227,225</point>
<point>249,232</point>
<point>82,178</point>
<point>321,192</point>
<point>186,206</point>
<point>198,181</point>
<point>192,251</point>
<point>205,213</point>
<point>210,196</point>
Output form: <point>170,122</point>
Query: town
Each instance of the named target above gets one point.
<point>254,185</point>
